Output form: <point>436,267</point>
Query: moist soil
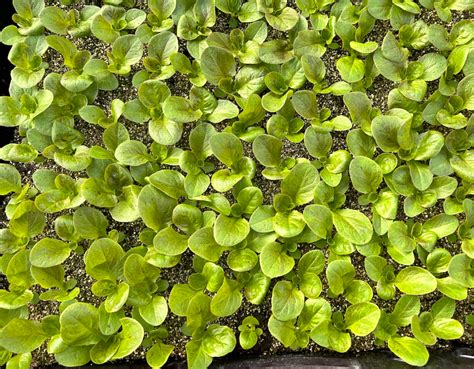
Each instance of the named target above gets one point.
<point>179,85</point>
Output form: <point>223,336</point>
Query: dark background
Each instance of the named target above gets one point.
<point>6,12</point>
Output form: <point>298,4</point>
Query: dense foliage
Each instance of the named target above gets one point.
<point>409,165</point>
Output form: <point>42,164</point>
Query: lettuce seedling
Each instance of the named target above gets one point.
<point>112,21</point>
<point>267,150</point>
<point>72,22</point>
<point>26,57</point>
<point>27,20</point>
<point>282,84</point>
<point>437,323</point>
<point>196,23</point>
<point>84,71</point>
<point>190,69</point>
<point>158,61</point>
<point>158,20</point>
<point>194,162</point>
<point>277,14</point>
<point>21,108</point>
<point>228,149</point>
<point>444,8</point>
<point>126,51</point>
<point>242,44</point>
<point>215,341</point>
<point>398,12</point>
<point>249,333</point>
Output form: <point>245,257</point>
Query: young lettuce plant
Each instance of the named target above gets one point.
<point>26,56</point>
<point>72,22</point>
<point>195,23</point>
<point>282,83</point>
<point>249,333</point>
<point>94,115</point>
<point>194,163</point>
<point>152,94</point>
<point>229,150</point>
<point>84,72</point>
<point>305,104</point>
<point>243,45</point>
<point>437,323</point>
<point>192,70</point>
<point>379,271</point>
<point>111,22</point>
<point>444,8</point>
<point>95,341</point>
<point>57,191</point>
<point>126,51</point>
<point>409,349</point>
<point>288,295</point>
<point>158,61</point>
<point>23,106</point>
<point>296,189</point>
<point>398,12</point>
<point>277,14</point>
<point>158,20</point>
<point>267,151</point>
<point>239,11</point>
<point>27,20</point>
<point>360,319</point>
<point>334,167</point>
<point>248,200</point>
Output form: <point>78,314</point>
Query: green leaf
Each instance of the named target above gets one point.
<point>319,220</point>
<point>132,153</point>
<point>284,21</point>
<point>203,244</point>
<point>353,226</point>
<point>415,280</point>
<point>131,337</point>
<point>226,147</point>
<point>90,223</point>
<point>22,336</point>
<point>180,110</point>
<point>385,130</point>
<point>117,300</point>
<point>218,340</point>
<point>442,225</point>
<point>169,242</point>
<point>79,324</point>
<point>299,184</point>
<point>434,66</point>
<point>49,252</point>
<point>288,224</point>
<point>158,354</point>
<point>339,274</point>
<point>155,207</point>
<point>10,179</point>
<point>217,64</point>
<point>365,173</point>
<point>126,51</point>
<point>461,270</point>
<point>227,300</point>
<point>287,301</point>
<point>155,312</point>
<point>229,231</point>
<point>351,68</point>
<point>267,150</point>
<point>274,260</point>
<point>102,259</point>
<point>362,318</point>
<point>409,349</point>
